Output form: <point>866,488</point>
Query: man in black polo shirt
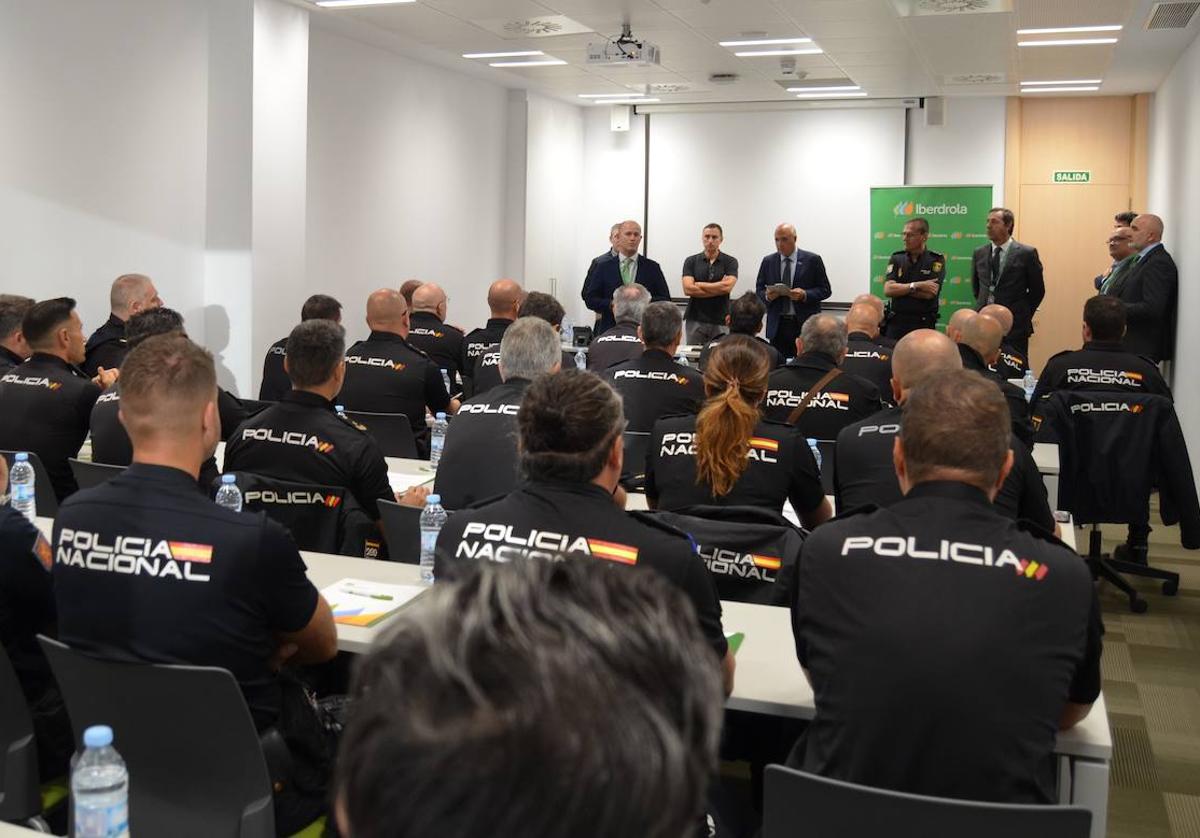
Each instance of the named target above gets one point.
<point>13,347</point>
<point>106,347</point>
<point>275,382</point>
<point>946,644</point>
<point>708,277</point>
<point>745,317</point>
<point>479,461</point>
<point>620,343</point>
<point>146,567</point>
<point>504,302</point>
<point>384,374</point>
<point>45,403</point>
<point>1012,362</point>
<point>570,426</point>
<point>866,356</point>
<point>839,397</point>
<point>913,282</point>
<point>429,331</point>
<point>980,347</point>
<point>536,304</point>
<point>654,385</point>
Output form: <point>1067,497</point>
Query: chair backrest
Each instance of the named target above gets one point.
<point>392,431</point>
<point>195,764</point>
<point>637,445</point>
<point>827,448</point>
<point>20,796</point>
<point>318,517</point>
<point>796,803</point>
<point>402,529</point>
<point>253,406</point>
<point>43,489</point>
<point>89,474</point>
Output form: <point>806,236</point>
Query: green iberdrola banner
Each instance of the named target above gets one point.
<point>957,217</point>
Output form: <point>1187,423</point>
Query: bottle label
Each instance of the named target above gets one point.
<point>102,821</point>
<point>22,492</point>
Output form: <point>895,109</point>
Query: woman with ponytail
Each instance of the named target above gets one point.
<point>729,455</point>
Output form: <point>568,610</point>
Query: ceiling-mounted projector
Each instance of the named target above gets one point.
<point>624,49</point>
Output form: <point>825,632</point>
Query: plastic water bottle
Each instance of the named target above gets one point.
<point>433,517</point>
<point>816,451</point>
<point>581,359</point>
<point>446,381</point>
<point>1030,383</point>
<point>100,787</point>
<point>566,332</point>
<point>229,495</point>
<point>437,439</point>
<point>341,410</point>
<point>20,481</point>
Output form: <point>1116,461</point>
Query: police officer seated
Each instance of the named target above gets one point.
<point>620,343</point>
<point>945,643</point>
<point>385,374</point>
<point>745,317</point>
<point>837,398</point>
<point>866,356</point>
<point>147,568</point>
<point>479,460</point>
<point>504,302</point>
<point>47,400</point>
<point>571,505</point>
<point>729,455</point>
<point>877,305</point>
<point>1012,362</point>
<point>863,473</point>
<point>536,304</point>
<point>14,349</point>
<point>275,382</point>
<point>526,691</point>
<point>429,331</point>
<point>913,282</point>
<point>130,293</point>
<point>979,347</point>
<point>653,385</point>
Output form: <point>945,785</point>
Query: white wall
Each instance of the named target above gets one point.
<point>1174,183</point>
<point>967,149</point>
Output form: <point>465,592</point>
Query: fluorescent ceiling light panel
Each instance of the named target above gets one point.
<point>1066,30</point>
<point>1060,83</point>
<point>766,52</point>
<point>829,95</point>
<point>1079,89</point>
<point>1074,42</point>
<point>625,101</point>
<point>518,54</point>
<point>833,89</point>
<point>344,4</point>
<point>609,95</point>
<point>764,42</point>
<point>548,62</point>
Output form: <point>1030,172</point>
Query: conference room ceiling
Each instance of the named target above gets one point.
<point>889,48</point>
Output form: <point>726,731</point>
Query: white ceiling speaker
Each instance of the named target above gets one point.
<point>935,111</point>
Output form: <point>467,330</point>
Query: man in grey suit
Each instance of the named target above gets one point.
<point>1149,290</point>
<point>1008,273</point>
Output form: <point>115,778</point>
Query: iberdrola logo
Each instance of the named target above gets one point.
<point>917,208</point>
<point>904,208</point>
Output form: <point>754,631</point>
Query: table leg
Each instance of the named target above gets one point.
<point>1090,790</point>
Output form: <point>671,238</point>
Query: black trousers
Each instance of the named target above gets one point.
<point>786,332</point>
<point>899,325</point>
<point>1021,344</point>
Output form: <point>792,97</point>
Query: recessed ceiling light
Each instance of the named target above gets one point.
<point>1061,82</point>
<point>548,62</point>
<point>517,54</point>
<point>829,95</point>
<point>609,95</point>
<point>624,101</point>
<point>1064,30</point>
<point>1073,89</point>
<point>336,4</point>
<point>764,41</point>
<point>766,52</point>
<point>836,88</point>
<point>1074,42</point>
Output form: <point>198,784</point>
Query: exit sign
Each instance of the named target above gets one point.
<point>1072,177</point>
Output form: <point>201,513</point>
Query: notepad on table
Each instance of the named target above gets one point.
<point>359,602</point>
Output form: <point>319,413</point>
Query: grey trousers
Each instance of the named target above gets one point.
<point>699,334</point>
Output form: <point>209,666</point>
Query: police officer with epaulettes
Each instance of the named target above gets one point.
<point>479,460</point>
<point>745,317</point>
<point>275,382</point>
<point>1012,362</point>
<point>913,282</point>
<point>979,346</point>
<point>620,343</point>
<point>572,505</point>
<point>539,304</point>
<point>838,397</point>
<point>504,302</point>
<point>106,346</point>
<point>866,356</point>
<point>429,331</point>
<point>945,643</point>
<point>47,400</point>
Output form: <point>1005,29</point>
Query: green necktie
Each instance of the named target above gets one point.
<point>1122,266</point>
<point>625,268</point>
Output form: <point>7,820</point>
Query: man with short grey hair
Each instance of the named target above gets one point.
<point>14,349</point>
<point>812,391</point>
<point>479,460</point>
<point>621,342</point>
<point>130,293</point>
<point>1150,291</point>
<point>653,385</point>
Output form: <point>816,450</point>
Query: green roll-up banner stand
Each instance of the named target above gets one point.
<point>957,217</point>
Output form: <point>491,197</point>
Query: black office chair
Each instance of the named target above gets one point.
<point>392,431</point>
<point>827,447</point>
<point>254,406</point>
<point>402,529</point>
<point>20,791</point>
<point>89,474</point>
<point>43,489</point>
<point>637,447</point>
<point>796,803</point>
<point>194,757</point>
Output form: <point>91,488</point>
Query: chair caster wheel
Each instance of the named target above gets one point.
<point>1138,606</point>
<point>1170,587</point>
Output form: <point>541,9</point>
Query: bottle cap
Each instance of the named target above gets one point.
<point>430,500</point>
<point>441,415</point>
<point>228,478</point>
<point>22,457</point>
<point>98,736</point>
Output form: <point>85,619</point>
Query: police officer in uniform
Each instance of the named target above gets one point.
<point>504,301</point>
<point>866,356</point>
<point>13,347</point>
<point>654,385</point>
<point>1012,362</point>
<point>620,343</point>
<point>479,460</point>
<point>913,282</point>
<point>946,644</point>
<point>535,304</point>
<point>745,317</point>
<point>106,347</point>
<point>47,401</point>
<point>429,331</point>
<point>571,450</point>
<point>146,567</point>
<point>840,398</point>
<point>275,382</point>
<point>980,347</point>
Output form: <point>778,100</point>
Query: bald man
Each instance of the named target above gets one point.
<point>130,293</point>
<point>504,302</point>
<point>429,331</point>
<point>980,349</point>
<point>954,325</point>
<point>791,283</point>
<point>879,306</point>
<point>1013,362</point>
<point>386,374</point>
<point>866,356</point>
<point>1150,292</point>
<point>625,268</point>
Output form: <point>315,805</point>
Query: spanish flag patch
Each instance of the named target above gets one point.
<point>622,553</point>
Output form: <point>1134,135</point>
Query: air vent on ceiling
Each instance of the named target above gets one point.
<point>542,26</point>
<point>723,78</point>
<point>1171,15</point>
<point>534,27</point>
<point>669,87</point>
<point>949,7</point>
<point>976,78</point>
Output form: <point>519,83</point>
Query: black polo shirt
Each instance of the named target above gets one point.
<point>26,600</point>
<point>9,359</point>
<point>780,467</point>
<point>475,344</point>
<point>841,402</point>
<point>1100,366</point>
<point>902,268</point>
<point>384,374</point>
<point>442,342</point>
<point>709,309</point>
<point>774,354</point>
<point>1018,407</point>
<point>106,347</point>
<point>614,346</point>
<point>869,358</point>
<point>546,520</point>
<point>45,406</point>
<point>275,381</point>
<point>147,568</point>
<point>1012,363</point>
<point>943,642</point>
<point>479,461</point>
<point>654,386</point>
<point>303,440</point>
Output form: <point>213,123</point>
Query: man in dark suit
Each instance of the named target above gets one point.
<point>607,274</point>
<point>1009,273</point>
<point>1149,290</point>
<point>801,271</point>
